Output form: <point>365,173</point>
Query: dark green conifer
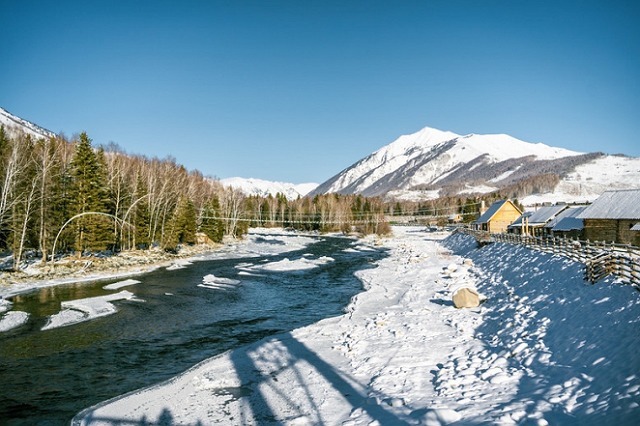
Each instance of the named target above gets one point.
<point>88,194</point>
<point>212,227</point>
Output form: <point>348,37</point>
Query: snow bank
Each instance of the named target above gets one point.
<point>80,310</point>
<point>545,348</point>
<point>179,264</point>
<point>12,320</point>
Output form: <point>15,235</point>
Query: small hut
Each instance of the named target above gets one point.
<point>497,217</point>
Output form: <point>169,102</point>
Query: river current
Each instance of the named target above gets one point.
<point>46,377</point>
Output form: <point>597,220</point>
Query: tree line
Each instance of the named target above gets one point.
<point>68,196</point>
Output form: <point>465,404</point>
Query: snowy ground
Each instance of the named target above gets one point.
<point>545,348</point>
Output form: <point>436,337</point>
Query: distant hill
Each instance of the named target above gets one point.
<point>265,188</point>
<point>432,163</point>
<point>14,124</point>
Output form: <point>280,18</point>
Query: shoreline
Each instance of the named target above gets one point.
<point>13,284</point>
<point>132,263</point>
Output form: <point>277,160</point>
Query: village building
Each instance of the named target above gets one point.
<point>613,217</point>
<point>497,217</point>
<point>517,227</point>
<point>534,222</point>
<point>566,224</point>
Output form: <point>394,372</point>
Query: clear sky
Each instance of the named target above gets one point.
<point>296,91</point>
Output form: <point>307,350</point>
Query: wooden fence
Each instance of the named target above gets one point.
<point>600,258</point>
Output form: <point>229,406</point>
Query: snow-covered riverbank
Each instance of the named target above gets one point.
<point>545,348</point>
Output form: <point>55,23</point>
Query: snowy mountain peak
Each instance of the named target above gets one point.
<point>264,188</point>
<point>14,124</point>
<point>432,163</point>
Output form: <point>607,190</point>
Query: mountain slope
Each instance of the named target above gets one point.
<point>265,188</point>
<point>14,124</point>
<point>431,163</point>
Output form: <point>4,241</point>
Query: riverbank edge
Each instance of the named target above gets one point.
<point>13,284</point>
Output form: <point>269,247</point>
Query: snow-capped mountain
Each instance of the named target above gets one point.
<point>432,163</point>
<point>14,124</point>
<point>265,188</point>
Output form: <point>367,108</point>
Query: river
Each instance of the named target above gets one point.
<point>46,377</point>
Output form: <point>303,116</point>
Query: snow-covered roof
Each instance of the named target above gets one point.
<point>567,220</point>
<point>544,214</point>
<point>518,221</point>
<point>541,216</point>
<point>623,204</point>
<point>492,210</point>
<point>636,227</point>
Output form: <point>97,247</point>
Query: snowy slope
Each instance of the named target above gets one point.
<point>590,180</point>
<point>264,188</point>
<point>14,124</point>
<point>431,163</point>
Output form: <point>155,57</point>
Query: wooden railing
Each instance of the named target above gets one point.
<point>600,258</point>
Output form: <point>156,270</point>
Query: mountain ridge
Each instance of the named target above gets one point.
<point>431,163</point>
<point>264,188</point>
<point>14,124</point>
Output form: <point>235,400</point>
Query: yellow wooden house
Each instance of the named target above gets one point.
<point>498,217</point>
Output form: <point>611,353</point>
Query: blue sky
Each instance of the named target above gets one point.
<point>298,90</point>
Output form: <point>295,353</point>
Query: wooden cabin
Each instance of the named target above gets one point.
<point>497,217</point>
<point>534,222</point>
<point>613,217</point>
<point>567,224</point>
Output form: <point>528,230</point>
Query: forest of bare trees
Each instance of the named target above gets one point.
<point>60,196</point>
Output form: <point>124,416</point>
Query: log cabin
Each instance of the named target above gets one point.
<point>613,217</point>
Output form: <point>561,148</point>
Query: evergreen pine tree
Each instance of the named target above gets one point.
<point>88,194</point>
<point>187,222</point>
<point>213,228</point>
<point>141,217</point>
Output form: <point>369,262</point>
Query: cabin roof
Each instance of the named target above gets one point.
<point>567,220</point>
<point>636,227</point>
<point>518,222</point>
<point>492,210</point>
<point>622,204</point>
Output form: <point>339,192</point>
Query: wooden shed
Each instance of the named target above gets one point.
<point>612,217</point>
<point>567,224</point>
<point>498,217</point>
<point>534,222</point>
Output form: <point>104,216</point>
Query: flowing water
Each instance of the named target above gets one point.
<point>46,377</point>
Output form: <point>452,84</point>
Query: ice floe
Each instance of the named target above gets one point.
<point>120,284</point>
<point>80,310</point>
<point>287,265</point>
<point>12,319</point>
<point>218,283</point>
